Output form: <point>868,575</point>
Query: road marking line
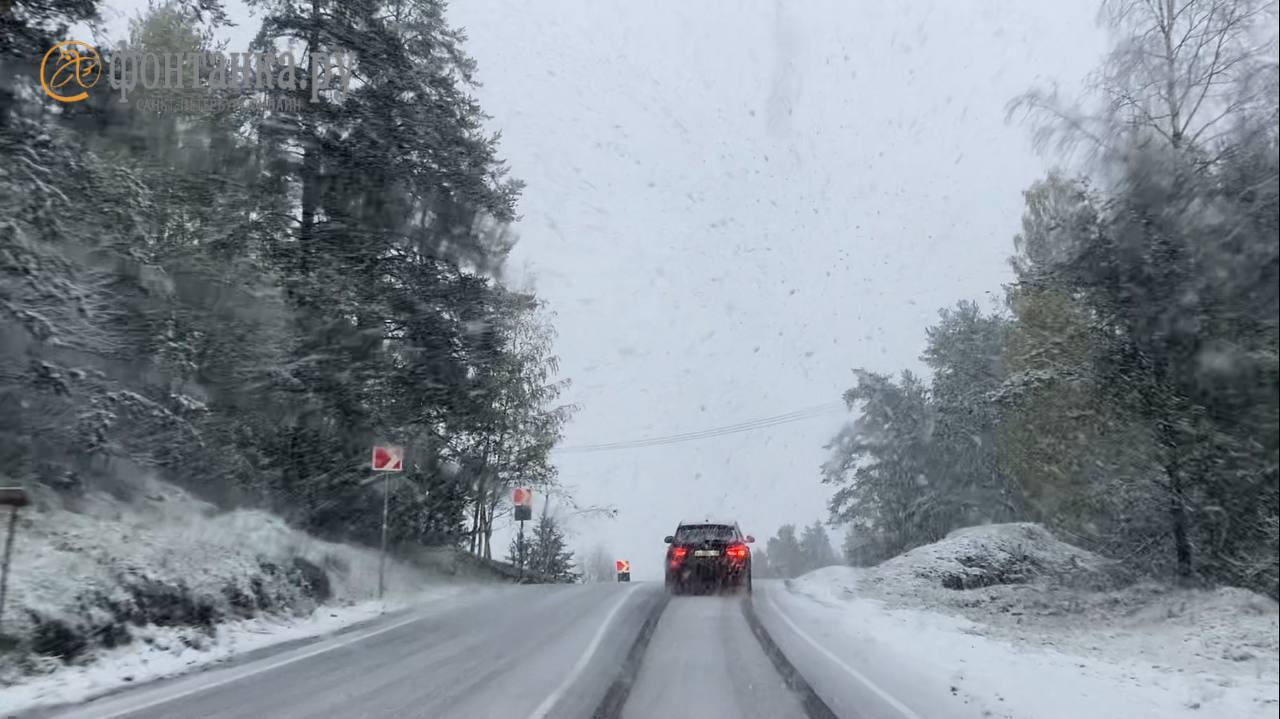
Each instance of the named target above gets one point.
<point>815,707</point>
<point>238,673</point>
<point>615,697</point>
<point>544,709</point>
<point>888,699</point>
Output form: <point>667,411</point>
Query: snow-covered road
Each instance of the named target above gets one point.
<point>505,654</point>
<point>559,652</point>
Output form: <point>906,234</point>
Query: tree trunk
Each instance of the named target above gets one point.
<point>488,533</point>
<point>475,516</point>
<point>493,461</point>
<point>1178,516</point>
<point>310,161</point>
<point>1177,496</point>
<point>1170,73</point>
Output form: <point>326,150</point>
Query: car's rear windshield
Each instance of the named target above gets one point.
<point>705,532</point>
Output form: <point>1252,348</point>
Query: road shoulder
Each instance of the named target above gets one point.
<point>943,666</point>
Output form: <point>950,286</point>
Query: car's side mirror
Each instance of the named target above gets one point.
<point>668,539</point>
<point>751,539</point>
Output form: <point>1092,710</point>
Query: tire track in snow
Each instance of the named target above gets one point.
<point>813,704</point>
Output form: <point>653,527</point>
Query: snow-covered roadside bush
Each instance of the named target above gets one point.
<point>93,578</point>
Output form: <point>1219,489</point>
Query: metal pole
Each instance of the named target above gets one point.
<point>8,552</point>
<point>382,558</point>
<point>520,550</point>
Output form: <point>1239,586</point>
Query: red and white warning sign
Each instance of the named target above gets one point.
<point>623,566</point>
<point>522,500</point>
<point>388,458</point>
<point>522,497</point>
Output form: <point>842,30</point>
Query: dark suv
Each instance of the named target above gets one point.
<point>708,556</point>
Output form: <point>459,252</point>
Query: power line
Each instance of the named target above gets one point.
<point>747,426</point>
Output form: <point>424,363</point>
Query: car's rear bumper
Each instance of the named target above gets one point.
<point>707,572</point>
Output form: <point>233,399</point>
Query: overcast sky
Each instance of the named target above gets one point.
<point>732,203</point>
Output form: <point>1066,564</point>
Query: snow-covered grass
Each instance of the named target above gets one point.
<point>1045,619</point>
<point>102,589</point>
<point>160,652</point>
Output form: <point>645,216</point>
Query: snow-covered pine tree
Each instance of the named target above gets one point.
<point>815,547</point>
<point>547,556</point>
<point>786,557</point>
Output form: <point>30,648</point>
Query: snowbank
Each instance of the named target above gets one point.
<point>169,568</point>
<point>160,652</point>
<point>997,554</point>
<point>1055,606</point>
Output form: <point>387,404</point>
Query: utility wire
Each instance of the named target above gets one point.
<point>747,426</point>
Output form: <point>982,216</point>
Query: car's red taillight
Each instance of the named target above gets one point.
<point>677,553</point>
<point>737,551</point>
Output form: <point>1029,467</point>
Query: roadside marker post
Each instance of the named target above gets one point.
<point>14,497</point>
<point>386,458</point>
<point>522,504</point>
<point>623,568</point>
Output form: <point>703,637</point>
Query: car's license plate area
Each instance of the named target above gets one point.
<point>706,553</point>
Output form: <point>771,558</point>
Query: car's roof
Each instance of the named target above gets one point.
<point>712,520</point>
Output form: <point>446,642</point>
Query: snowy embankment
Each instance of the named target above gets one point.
<point>1014,623</point>
<point>117,592</point>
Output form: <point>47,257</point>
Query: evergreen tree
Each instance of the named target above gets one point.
<point>815,548</point>
<point>403,201</point>
<point>247,318</point>
<point>965,350</point>
<point>881,461</point>
<point>860,548</point>
<point>761,568</point>
<point>786,558</point>
<point>546,553</point>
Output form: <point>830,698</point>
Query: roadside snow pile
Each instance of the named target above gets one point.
<point>997,554</point>
<point>1019,584</point>
<point>111,572</point>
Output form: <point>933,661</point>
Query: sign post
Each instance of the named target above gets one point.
<point>623,568</point>
<point>386,458</point>
<point>522,502</point>
<point>14,497</point>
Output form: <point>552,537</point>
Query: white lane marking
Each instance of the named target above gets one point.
<point>544,709</point>
<point>233,675</point>
<point>888,699</point>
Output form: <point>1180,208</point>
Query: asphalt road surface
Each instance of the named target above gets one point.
<point>703,661</point>
<point>603,651</point>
